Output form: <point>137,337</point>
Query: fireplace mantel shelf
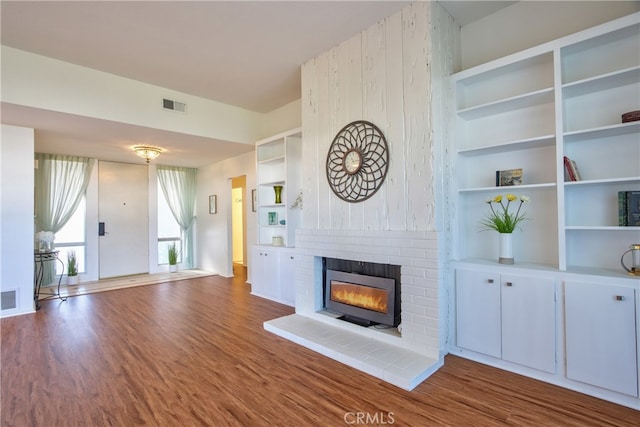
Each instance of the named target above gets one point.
<point>400,367</point>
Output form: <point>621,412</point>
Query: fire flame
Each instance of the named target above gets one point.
<point>359,296</point>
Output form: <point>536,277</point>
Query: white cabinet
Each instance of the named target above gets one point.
<point>278,164</point>
<point>478,312</point>
<point>264,272</point>
<point>601,335</point>
<point>273,274</point>
<point>287,277</point>
<point>528,111</point>
<point>507,316</point>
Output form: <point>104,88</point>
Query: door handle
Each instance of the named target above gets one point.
<point>101,231</point>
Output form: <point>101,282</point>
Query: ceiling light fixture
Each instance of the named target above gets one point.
<point>147,152</point>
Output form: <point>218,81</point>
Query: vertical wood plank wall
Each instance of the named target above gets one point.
<point>382,75</point>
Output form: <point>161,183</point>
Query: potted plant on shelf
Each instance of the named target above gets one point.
<point>504,221</point>
<point>173,258</point>
<point>72,268</point>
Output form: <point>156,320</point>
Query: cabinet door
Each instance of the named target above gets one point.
<point>264,272</point>
<point>478,311</point>
<point>529,322</point>
<point>287,277</point>
<point>601,336</point>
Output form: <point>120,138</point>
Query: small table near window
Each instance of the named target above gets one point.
<point>39,259</point>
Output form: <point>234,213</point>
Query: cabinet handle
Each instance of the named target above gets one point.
<point>490,281</point>
<point>291,257</point>
<point>619,298</point>
<point>509,284</point>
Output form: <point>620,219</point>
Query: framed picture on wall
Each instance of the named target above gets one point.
<point>213,204</point>
<point>253,200</point>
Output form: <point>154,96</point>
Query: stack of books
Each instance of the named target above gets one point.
<point>629,208</point>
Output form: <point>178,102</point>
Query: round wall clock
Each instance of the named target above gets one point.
<point>357,161</point>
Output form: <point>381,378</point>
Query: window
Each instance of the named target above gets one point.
<point>73,237</point>
<point>169,231</point>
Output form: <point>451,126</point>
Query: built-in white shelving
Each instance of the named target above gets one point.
<point>528,111</point>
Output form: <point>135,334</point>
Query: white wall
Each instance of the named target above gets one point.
<point>16,216</point>
<point>530,23</point>
<point>214,237</point>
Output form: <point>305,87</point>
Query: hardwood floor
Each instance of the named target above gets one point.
<point>194,352</point>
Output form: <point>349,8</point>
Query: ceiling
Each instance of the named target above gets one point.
<point>242,53</point>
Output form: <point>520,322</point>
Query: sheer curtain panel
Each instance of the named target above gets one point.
<point>60,183</point>
<point>179,188</point>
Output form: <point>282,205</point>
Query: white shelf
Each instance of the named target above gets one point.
<point>526,100</point>
<point>510,189</point>
<point>603,131</point>
<point>606,81</point>
<point>630,179</point>
<point>522,144</point>
<point>601,228</point>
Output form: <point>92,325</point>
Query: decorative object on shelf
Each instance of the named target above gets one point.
<point>283,222</point>
<point>45,240</point>
<point>173,258</point>
<point>297,203</point>
<point>277,241</point>
<point>72,268</point>
<point>253,200</point>
<point>508,177</point>
<point>504,222</point>
<point>213,204</point>
<point>634,270</point>
<point>278,192</point>
<point>147,152</point>
<point>357,161</point>
<point>631,116</point>
<point>505,250</point>
<point>273,218</point>
<point>571,170</point>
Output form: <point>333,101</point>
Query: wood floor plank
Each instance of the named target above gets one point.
<point>194,352</point>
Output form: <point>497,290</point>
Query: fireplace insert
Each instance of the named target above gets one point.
<point>369,294</point>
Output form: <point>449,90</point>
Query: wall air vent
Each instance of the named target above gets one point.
<point>8,300</point>
<point>169,104</point>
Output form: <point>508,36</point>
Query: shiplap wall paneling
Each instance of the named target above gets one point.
<point>417,96</point>
<point>374,67</point>
<point>310,146</point>
<point>395,183</point>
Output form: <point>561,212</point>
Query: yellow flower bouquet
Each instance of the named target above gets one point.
<point>500,218</point>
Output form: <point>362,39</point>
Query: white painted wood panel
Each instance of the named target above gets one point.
<point>529,322</point>
<point>374,110</point>
<point>478,325</point>
<point>417,96</point>
<point>395,183</point>
<point>601,336</point>
<point>310,162</point>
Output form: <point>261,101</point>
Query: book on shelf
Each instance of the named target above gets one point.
<point>629,208</point>
<point>508,177</point>
<point>571,170</point>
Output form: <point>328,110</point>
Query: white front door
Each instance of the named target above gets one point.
<point>124,212</point>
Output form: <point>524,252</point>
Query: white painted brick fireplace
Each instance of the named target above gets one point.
<point>404,359</point>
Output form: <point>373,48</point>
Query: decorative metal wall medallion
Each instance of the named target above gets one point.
<point>357,161</point>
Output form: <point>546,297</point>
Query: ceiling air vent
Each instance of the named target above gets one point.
<point>169,104</point>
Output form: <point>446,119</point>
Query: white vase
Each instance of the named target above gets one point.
<point>173,268</point>
<point>505,254</point>
<point>72,280</point>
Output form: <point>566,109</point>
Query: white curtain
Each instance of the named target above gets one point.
<point>60,183</point>
<point>179,189</point>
